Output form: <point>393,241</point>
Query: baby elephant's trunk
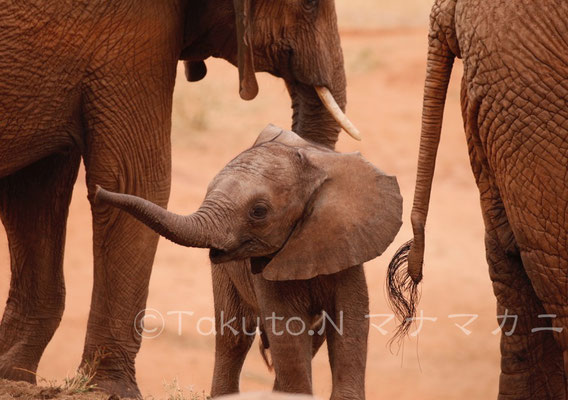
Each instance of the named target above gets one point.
<point>185,230</point>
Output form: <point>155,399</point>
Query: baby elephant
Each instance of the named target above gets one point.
<point>288,224</point>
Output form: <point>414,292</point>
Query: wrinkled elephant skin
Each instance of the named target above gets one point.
<point>93,80</point>
<point>288,224</point>
<point>514,93</point>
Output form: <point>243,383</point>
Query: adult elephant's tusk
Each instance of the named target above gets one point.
<point>331,105</point>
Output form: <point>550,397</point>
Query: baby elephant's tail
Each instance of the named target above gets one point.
<point>264,348</point>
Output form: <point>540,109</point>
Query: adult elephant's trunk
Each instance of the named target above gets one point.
<point>319,106</point>
<point>403,284</point>
<point>186,230</point>
<point>311,119</point>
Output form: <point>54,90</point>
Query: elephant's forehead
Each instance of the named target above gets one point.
<point>250,180</point>
<point>229,186</point>
<point>247,177</point>
<point>263,163</point>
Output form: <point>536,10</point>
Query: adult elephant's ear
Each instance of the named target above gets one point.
<point>248,86</point>
<point>352,217</point>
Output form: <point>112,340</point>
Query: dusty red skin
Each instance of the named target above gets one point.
<point>94,81</point>
<point>289,225</point>
<point>515,80</point>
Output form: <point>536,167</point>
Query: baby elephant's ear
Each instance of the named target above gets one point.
<point>351,218</point>
<point>273,133</point>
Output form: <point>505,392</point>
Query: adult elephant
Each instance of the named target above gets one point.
<point>514,93</point>
<point>93,80</point>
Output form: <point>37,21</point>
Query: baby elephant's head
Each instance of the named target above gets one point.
<point>295,209</point>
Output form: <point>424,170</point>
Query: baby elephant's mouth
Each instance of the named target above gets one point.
<point>257,264</point>
<point>218,256</point>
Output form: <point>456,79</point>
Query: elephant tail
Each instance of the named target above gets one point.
<point>264,348</point>
<point>405,269</point>
<point>403,291</point>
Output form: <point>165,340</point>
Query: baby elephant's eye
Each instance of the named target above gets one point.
<point>259,211</point>
<point>311,4</point>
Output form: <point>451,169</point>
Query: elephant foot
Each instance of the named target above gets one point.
<point>112,371</point>
<point>565,355</point>
<point>125,389</point>
<point>19,361</point>
<point>16,369</point>
<point>24,334</point>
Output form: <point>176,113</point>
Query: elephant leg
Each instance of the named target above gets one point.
<point>545,259</point>
<point>559,326</point>
<point>287,320</point>
<point>565,355</point>
<point>128,150</point>
<point>34,204</point>
<point>231,346</point>
<point>531,361</point>
<point>347,346</point>
<point>124,252</point>
<point>550,287</point>
<point>318,338</point>
<point>291,354</point>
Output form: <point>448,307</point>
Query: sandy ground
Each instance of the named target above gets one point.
<point>384,49</point>
<point>24,391</point>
